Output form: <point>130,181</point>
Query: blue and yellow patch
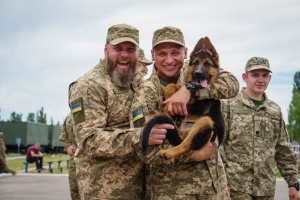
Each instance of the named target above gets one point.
<point>138,115</point>
<point>76,108</point>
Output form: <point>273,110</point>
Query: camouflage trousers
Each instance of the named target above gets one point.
<point>72,181</point>
<point>240,195</point>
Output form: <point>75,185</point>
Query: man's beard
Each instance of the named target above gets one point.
<point>124,79</point>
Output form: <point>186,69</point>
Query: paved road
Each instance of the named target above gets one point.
<point>34,187</point>
<point>56,186</point>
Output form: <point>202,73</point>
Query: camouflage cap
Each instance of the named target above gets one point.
<point>168,34</point>
<point>142,58</point>
<point>257,63</point>
<point>122,33</point>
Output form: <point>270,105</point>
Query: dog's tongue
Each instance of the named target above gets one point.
<point>203,83</point>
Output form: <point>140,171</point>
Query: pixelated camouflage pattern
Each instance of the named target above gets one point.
<point>234,195</point>
<point>183,176</point>
<point>142,58</point>
<point>121,33</point>
<point>107,166</point>
<point>256,140</point>
<point>3,166</point>
<point>257,63</point>
<point>67,137</point>
<point>168,34</point>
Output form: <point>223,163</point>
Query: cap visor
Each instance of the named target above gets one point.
<point>258,67</point>
<point>172,41</point>
<point>124,39</point>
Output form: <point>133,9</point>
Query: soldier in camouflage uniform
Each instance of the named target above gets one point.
<point>67,137</point>
<point>183,178</point>
<point>256,139</point>
<point>107,166</point>
<point>143,62</point>
<point>3,166</point>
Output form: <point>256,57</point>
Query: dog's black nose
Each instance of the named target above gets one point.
<point>198,73</point>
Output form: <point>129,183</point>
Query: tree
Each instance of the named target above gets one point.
<point>15,117</point>
<point>41,117</point>
<point>31,117</point>
<point>294,110</point>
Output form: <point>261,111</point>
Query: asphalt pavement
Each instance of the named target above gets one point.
<point>56,186</point>
<point>34,187</point>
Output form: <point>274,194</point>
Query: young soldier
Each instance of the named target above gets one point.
<point>256,139</point>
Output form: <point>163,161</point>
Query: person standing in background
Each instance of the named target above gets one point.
<point>143,62</point>
<point>67,137</point>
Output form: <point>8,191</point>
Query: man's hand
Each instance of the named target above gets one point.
<point>206,151</point>
<point>158,133</point>
<point>293,194</point>
<point>70,150</point>
<point>177,102</point>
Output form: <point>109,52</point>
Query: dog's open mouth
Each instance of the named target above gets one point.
<point>201,83</point>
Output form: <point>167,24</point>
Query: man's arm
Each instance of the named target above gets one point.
<point>225,87</point>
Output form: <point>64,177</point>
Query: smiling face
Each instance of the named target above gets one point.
<point>257,82</point>
<point>121,62</point>
<point>169,59</point>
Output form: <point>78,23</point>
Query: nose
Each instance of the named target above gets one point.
<point>199,73</point>
<point>124,54</point>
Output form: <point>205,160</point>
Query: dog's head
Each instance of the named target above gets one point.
<point>204,64</point>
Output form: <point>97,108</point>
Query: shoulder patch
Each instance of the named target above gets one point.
<point>138,118</point>
<point>77,110</point>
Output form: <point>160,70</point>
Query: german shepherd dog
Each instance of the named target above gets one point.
<point>204,116</point>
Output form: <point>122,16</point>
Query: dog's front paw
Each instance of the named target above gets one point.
<point>165,154</point>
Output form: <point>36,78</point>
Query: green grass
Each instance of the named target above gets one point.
<point>18,164</point>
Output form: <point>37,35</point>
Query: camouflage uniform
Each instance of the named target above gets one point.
<point>107,166</point>
<point>67,137</point>
<point>256,141</point>
<point>3,166</point>
<point>182,178</point>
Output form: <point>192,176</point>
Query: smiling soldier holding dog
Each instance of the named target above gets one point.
<point>256,139</point>
<point>187,177</point>
<point>107,166</point>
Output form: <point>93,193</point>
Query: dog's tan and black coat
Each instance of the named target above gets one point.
<point>204,116</point>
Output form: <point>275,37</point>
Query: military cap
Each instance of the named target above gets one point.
<point>257,63</point>
<point>142,58</point>
<point>168,34</point>
<point>122,33</point>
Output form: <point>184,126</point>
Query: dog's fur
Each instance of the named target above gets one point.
<point>204,116</point>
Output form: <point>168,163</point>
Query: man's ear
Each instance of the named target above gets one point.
<point>105,50</point>
<point>152,55</point>
<point>185,53</point>
<point>244,76</point>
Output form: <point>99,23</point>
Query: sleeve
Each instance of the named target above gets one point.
<point>93,137</point>
<point>285,157</point>
<point>225,87</point>
<point>226,114</point>
<point>64,137</point>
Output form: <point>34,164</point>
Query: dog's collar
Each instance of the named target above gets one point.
<point>190,85</point>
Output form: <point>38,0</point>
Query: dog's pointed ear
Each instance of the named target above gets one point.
<point>211,49</point>
<point>199,46</point>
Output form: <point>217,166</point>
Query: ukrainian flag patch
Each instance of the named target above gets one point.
<point>138,115</point>
<point>76,108</point>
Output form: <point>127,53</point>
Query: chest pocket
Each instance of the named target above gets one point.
<point>118,107</point>
<point>270,125</point>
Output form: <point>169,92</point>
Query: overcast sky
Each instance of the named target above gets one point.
<point>45,45</point>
